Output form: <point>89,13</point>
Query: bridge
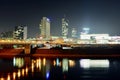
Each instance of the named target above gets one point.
<point>23,44</point>
<point>26,44</point>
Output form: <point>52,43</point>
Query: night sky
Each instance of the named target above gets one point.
<point>101,16</point>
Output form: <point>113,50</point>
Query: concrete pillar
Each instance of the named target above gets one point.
<point>27,49</point>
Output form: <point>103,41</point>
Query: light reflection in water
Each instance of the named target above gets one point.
<point>43,66</point>
<point>65,65</point>
<point>71,63</point>
<point>2,78</point>
<point>47,69</point>
<point>88,63</point>
<point>57,62</point>
<point>26,70</point>
<point>47,74</point>
<point>44,61</point>
<point>23,72</point>
<point>32,66</point>
<point>18,62</point>
<point>8,77</point>
<point>18,73</point>
<point>39,63</point>
<point>14,75</point>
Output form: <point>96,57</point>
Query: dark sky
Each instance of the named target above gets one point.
<point>101,16</point>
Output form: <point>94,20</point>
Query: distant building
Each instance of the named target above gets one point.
<point>20,32</point>
<point>45,28</point>
<point>74,33</point>
<point>94,36</point>
<point>8,34</point>
<point>64,27</point>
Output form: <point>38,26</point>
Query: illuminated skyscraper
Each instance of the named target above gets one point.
<point>74,33</point>
<point>45,28</point>
<point>20,32</point>
<point>64,27</point>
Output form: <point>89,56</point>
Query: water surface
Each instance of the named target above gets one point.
<point>29,68</point>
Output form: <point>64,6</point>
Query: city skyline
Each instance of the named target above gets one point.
<point>101,16</point>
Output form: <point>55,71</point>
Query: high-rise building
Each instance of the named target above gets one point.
<point>74,33</point>
<point>64,27</point>
<point>45,28</point>
<point>20,32</point>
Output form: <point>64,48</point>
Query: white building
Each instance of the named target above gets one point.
<point>45,28</point>
<point>94,36</point>
<point>25,33</point>
<point>98,38</point>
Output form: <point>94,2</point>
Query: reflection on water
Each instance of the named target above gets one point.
<point>65,65</point>
<point>88,63</point>
<point>18,62</point>
<point>14,75</point>
<point>26,68</point>
<point>71,63</point>
<point>8,77</point>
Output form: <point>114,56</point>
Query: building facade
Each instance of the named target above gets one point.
<point>20,32</point>
<point>45,28</point>
<point>94,38</point>
<point>65,28</point>
<point>74,33</point>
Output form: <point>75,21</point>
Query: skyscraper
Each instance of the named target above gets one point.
<point>45,28</point>
<point>64,27</point>
<point>20,32</point>
<point>74,33</point>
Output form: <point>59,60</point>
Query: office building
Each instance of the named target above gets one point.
<point>20,32</point>
<point>74,33</point>
<point>45,28</point>
<point>64,28</point>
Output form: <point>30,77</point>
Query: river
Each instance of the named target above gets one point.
<point>41,68</point>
